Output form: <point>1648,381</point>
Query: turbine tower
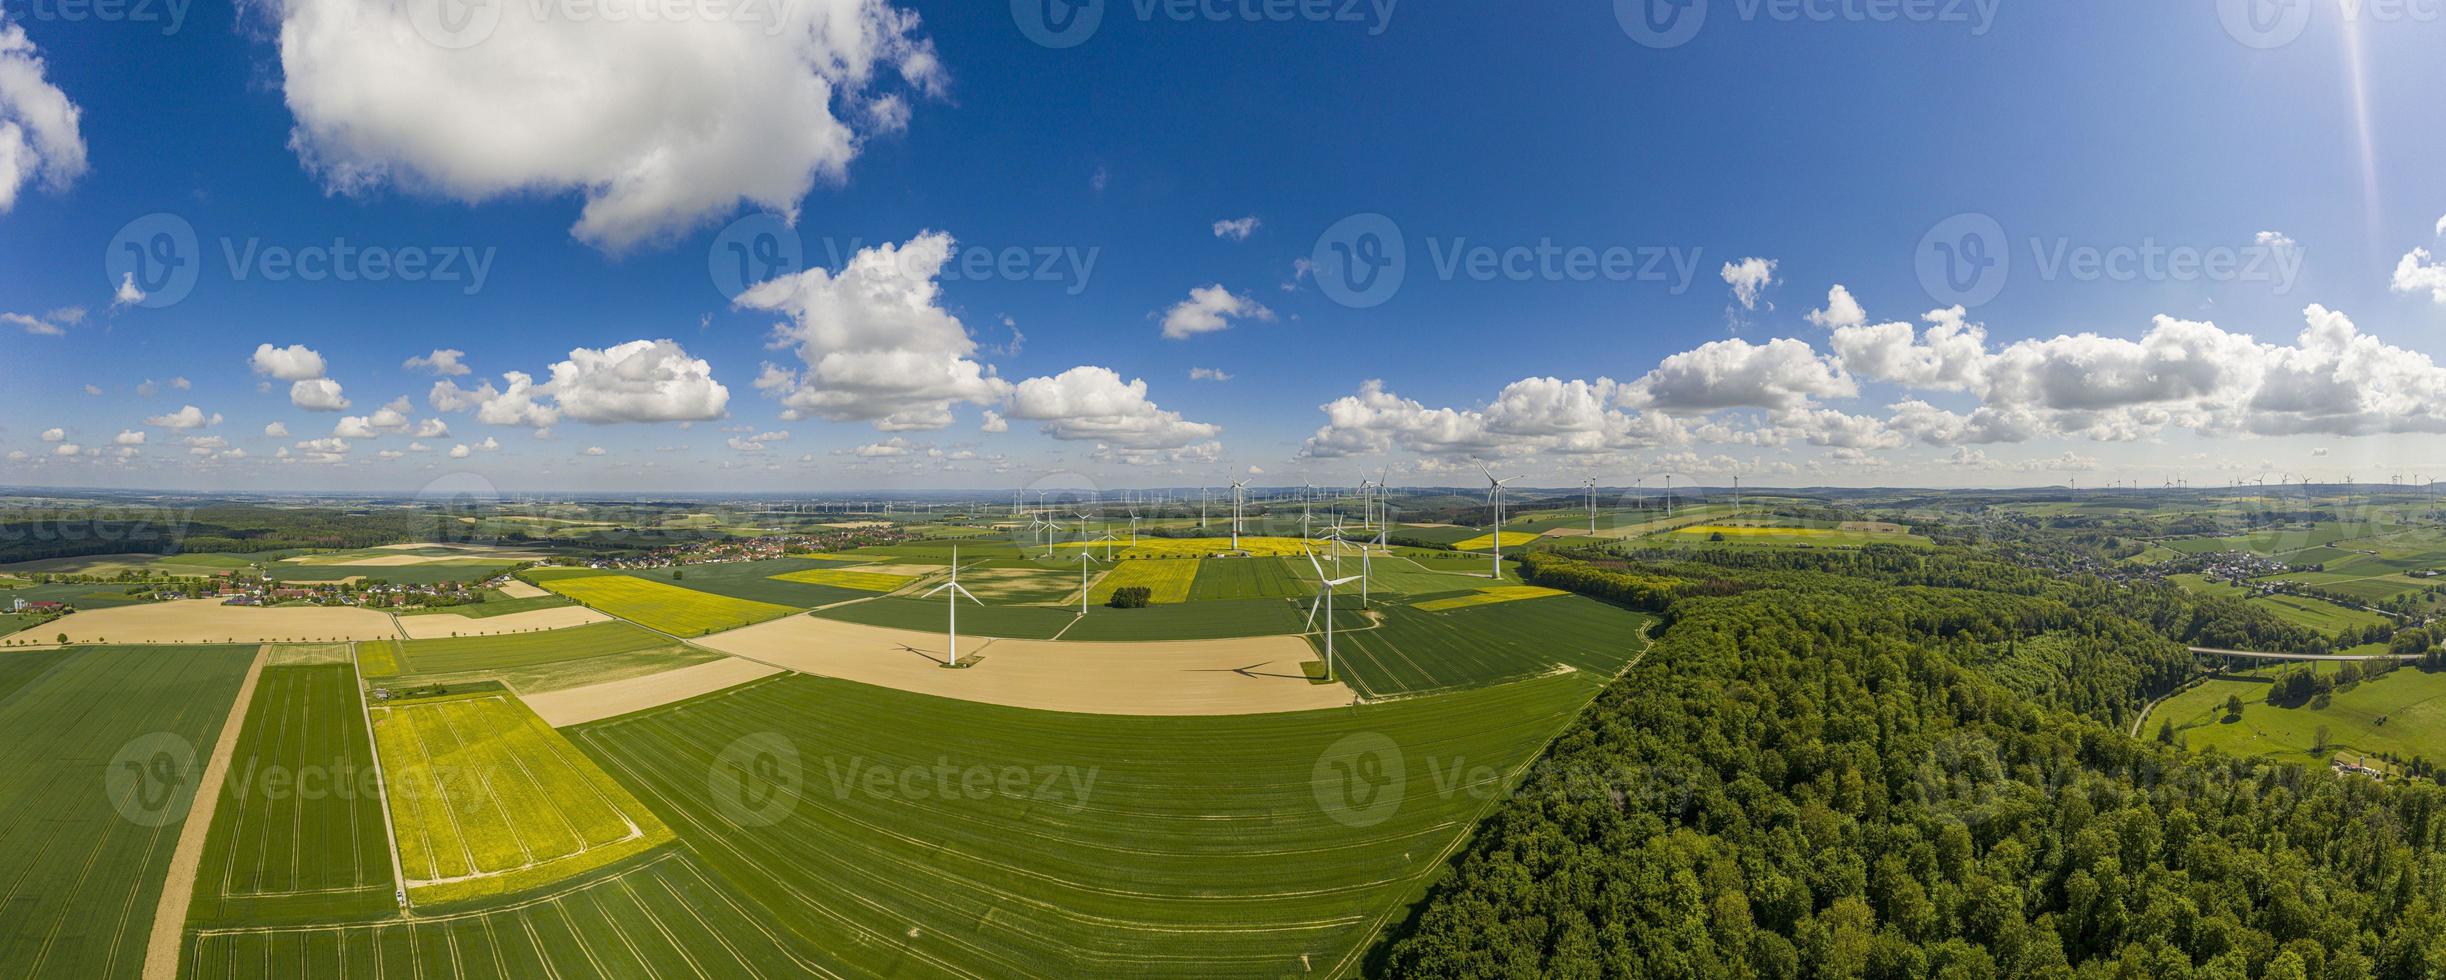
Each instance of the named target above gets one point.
<point>1591,485</point>
<point>1324,599</point>
<point>1239,501</point>
<point>1494,495</point>
<point>956,591</point>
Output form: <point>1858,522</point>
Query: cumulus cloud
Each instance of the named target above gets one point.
<point>296,362</point>
<point>756,443</point>
<point>1093,403</point>
<point>277,430</point>
<point>874,341</point>
<point>459,451</point>
<point>66,449</point>
<point>1841,310</point>
<point>595,451</point>
<point>1533,415</point>
<point>189,417</point>
<point>317,395</point>
<point>1209,309</point>
<point>40,141</point>
<point>1749,278</point>
<point>1208,374</point>
<point>129,437</point>
<point>638,381</point>
<point>1782,374</point>
<point>662,125</point>
<point>994,422</point>
<point>51,324</point>
<point>1236,229</point>
<point>2418,271</point>
<point>54,434</point>
<point>444,362</point>
<point>127,294</point>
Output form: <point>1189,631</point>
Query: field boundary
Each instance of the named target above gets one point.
<point>382,788</point>
<point>162,948</point>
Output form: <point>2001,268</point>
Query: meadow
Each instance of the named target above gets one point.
<point>770,580</point>
<point>1251,578</point>
<point>2403,712</point>
<point>494,605</point>
<point>299,831</point>
<point>84,852</point>
<point>2318,614</point>
<point>1416,651</point>
<point>660,916</point>
<point>487,800</point>
<point>1168,581</point>
<point>1072,845</point>
<point>1216,620</point>
<point>669,608</point>
<point>456,654</point>
<point>1488,597</point>
<point>931,616</point>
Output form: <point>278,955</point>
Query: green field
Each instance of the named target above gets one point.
<point>931,616</point>
<point>1415,651</point>
<point>660,916</point>
<point>1168,580</point>
<point>97,766</point>
<point>1075,845</point>
<point>298,833</point>
<point>487,800</point>
<point>468,572</point>
<point>849,578</point>
<point>2403,712</point>
<point>669,608</point>
<point>1488,597</point>
<point>494,605</point>
<point>1215,620</point>
<point>82,596</point>
<point>757,581</point>
<point>513,650</point>
<point>2318,614</point>
<point>1251,578</point>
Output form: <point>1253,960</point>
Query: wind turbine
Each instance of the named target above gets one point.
<point>956,591</point>
<point>1239,500</point>
<point>1494,495</point>
<point>1592,505</point>
<point>1324,599</point>
<point>1084,558</point>
<point>1133,502</point>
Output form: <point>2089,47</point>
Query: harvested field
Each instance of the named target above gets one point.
<point>520,590</point>
<point>595,702</point>
<point>434,625</point>
<point>208,621</point>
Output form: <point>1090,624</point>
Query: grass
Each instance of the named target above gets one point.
<point>2403,712</point>
<point>299,830</point>
<point>1075,845</point>
<point>669,608</point>
<point>771,580</point>
<point>1488,597</point>
<point>1483,542</point>
<point>1153,547</point>
<point>660,916</point>
<point>468,653</point>
<point>491,607</point>
<point>848,578</point>
<point>1168,581</point>
<point>2317,614</point>
<point>1193,621</point>
<point>487,800</point>
<point>83,878</point>
<point>402,574</point>
<point>931,616</point>
<point>1415,652</point>
<point>1250,578</point>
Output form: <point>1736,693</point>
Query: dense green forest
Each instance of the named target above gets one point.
<point>1865,765</point>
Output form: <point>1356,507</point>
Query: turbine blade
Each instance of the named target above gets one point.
<point>1312,604</point>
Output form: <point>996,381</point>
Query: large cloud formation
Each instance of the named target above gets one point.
<point>874,340</point>
<point>662,124</point>
<point>639,381</point>
<point>39,135</point>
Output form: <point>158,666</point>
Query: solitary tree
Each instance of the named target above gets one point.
<point>2233,706</point>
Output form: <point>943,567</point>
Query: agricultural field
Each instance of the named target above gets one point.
<point>1168,580</point>
<point>1022,582</point>
<point>1488,597</point>
<point>487,800</point>
<point>493,605</point>
<point>849,578</point>
<point>939,552</point>
<point>1154,547</point>
<point>1484,542</point>
<point>81,595</point>
<point>459,654</point>
<point>1407,576</point>
<point>2318,614</point>
<point>428,573</point>
<point>97,773</point>
<point>659,916</point>
<point>299,830</point>
<point>1414,652</point>
<point>931,615</point>
<point>1788,537</point>
<point>1220,619</point>
<point>769,581</point>
<point>669,608</point>
<point>1081,845</point>
<point>1251,578</point>
<point>2403,712</point>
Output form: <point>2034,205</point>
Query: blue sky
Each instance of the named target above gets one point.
<point>1831,147</point>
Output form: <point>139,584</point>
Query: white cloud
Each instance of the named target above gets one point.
<point>39,135</point>
<point>93,389</point>
<point>66,449</point>
<point>757,443</point>
<point>489,444</point>
<point>296,362</point>
<point>1530,416</point>
<point>1236,229</point>
<point>1208,374</point>
<point>1749,278</point>
<point>1093,403</point>
<point>444,362</point>
<point>2418,271</point>
<point>189,417</point>
<point>54,435</point>
<point>129,437</point>
<point>595,451</point>
<point>1209,309</point>
<point>317,395</point>
<point>38,326</point>
<point>459,451</point>
<point>874,340</point>
<point>662,124</point>
<point>18,456</point>
<point>1841,311</point>
<point>1781,374</point>
<point>277,430</point>
<point>181,383</point>
<point>891,448</point>
<point>127,294</point>
<point>639,381</point>
<point>994,422</point>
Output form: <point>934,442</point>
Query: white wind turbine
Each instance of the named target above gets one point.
<point>956,591</point>
<point>1494,495</point>
<point>1592,505</point>
<point>1324,599</point>
<point>1239,501</point>
<point>1085,558</point>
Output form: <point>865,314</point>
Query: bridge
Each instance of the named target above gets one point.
<point>2263,655</point>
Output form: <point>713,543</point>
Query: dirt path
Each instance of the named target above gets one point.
<point>170,916</point>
